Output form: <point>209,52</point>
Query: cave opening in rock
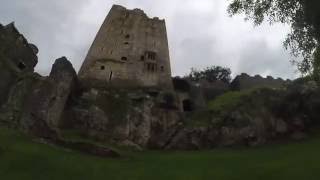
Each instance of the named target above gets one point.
<point>187,105</point>
<point>21,66</point>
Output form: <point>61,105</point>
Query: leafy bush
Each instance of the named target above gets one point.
<point>211,74</point>
<point>228,100</point>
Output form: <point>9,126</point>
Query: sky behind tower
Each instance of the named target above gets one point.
<point>200,33</point>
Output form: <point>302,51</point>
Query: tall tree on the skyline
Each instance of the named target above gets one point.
<point>302,15</point>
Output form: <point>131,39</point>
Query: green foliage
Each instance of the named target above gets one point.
<point>302,15</point>
<point>211,74</point>
<point>199,119</point>
<point>25,159</point>
<point>228,101</point>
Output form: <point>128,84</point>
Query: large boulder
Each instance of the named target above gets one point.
<point>45,104</point>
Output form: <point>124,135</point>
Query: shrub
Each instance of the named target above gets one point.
<point>228,100</point>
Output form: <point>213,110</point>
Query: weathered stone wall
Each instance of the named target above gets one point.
<point>190,96</point>
<point>244,81</point>
<point>130,50</point>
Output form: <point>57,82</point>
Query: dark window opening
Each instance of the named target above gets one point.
<point>21,66</point>
<point>111,52</point>
<point>126,43</point>
<point>127,36</point>
<point>126,15</point>
<point>162,68</point>
<point>151,55</point>
<point>124,58</point>
<point>148,67</point>
<point>142,58</point>
<point>110,77</point>
<point>102,67</point>
<point>187,105</point>
<point>152,68</point>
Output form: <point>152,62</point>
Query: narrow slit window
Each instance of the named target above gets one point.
<point>110,76</point>
<point>152,68</point>
<point>124,58</point>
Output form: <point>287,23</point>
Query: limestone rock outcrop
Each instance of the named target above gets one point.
<point>120,117</point>
<point>48,98</point>
<point>17,58</point>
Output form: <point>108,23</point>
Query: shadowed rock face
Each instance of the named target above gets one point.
<point>48,98</point>
<point>126,118</point>
<point>17,57</point>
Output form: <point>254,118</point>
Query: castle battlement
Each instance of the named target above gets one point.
<point>134,11</point>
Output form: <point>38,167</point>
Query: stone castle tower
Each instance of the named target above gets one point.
<point>130,50</point>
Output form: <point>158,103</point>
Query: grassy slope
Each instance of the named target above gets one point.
<point>20,158</point>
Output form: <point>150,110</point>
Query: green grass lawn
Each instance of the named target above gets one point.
<point>23,159</point>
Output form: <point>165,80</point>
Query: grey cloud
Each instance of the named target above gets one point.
<point>200,33</point>
<point>258,58</point>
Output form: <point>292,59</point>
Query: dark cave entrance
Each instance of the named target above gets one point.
<point>187,105</point>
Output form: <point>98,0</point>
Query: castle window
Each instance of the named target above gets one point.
<point>152,68</point>
<point>127,36</point>
<point>110,76</point>
<point>142,58</point>
<point>126,43</point>
<point>111,52</point>
<point>124,58</point>
<point>21,66</point>
<point>162,68</point>
<point>102,68</point>
<point>151,55</point>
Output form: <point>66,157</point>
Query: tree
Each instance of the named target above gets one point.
<point>211,74</point>
<point>302,15</point>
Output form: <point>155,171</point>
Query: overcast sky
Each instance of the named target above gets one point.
<point>200,33</point>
